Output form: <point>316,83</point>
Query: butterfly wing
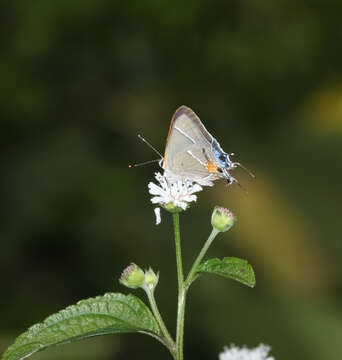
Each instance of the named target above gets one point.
<point>188,150</point>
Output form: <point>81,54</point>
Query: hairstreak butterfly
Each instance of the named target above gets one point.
<point>192,153</point>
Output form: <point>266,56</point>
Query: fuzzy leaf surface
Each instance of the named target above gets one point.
<point>108,314</point>
<point>230,267</point>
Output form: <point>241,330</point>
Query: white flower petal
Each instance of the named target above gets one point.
<point>157,200</point>
<point>196,188</point>
<point>190,198</point>
<point>155,189</point>
<point>236,353</point>
<point>158,217</point>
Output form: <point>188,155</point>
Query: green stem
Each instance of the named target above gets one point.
<point>180,324</point>
<point>200,257</point>
<point>181,289</point>
<point>178,252</point>
<point>169,341</point>
<point>183,286</point>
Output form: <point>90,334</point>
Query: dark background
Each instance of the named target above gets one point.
<point>80,79</point>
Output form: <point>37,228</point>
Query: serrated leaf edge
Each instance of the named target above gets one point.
<point>200,269</point>
<point>45,324</point>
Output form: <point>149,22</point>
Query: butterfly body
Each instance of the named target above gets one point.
<point>193,153</point>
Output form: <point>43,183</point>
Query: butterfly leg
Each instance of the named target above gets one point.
<point>232,180</point>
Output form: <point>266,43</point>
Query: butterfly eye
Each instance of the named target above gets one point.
<point>220,170</point>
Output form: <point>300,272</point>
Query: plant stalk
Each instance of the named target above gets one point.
<point>184,285</point>
<point>200,257</point>
<point>168,339</point>
<point>181,289</point>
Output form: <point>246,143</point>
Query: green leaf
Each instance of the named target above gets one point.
<point>230,267</point>
<point>108,314</point>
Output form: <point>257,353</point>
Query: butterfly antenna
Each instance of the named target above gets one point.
<point>233,180</point>
<point>143,163</point>
<point>243,167</point>
<point>149,145</point>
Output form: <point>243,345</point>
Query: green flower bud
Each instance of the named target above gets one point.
<point>151,279</point>
<point>132,277</point>
<point>222,219</point>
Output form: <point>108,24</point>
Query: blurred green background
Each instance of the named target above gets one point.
<point>80,79</point>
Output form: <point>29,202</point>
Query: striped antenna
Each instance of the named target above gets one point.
<point>150,146</point>
<point>244,167</point>
<point>143,163</point>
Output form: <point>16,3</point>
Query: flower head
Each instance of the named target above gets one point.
<point>173,195</point>
<point>132,276</point>
<point>236,353</point>
<point>222,219</point>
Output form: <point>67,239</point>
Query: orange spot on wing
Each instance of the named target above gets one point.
<point>211,167</point>
<point>164,162</point>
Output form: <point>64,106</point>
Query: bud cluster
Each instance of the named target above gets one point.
<point>134,278</point>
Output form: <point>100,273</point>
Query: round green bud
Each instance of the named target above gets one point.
<point>151,279</point>
<point>132,277</point>
<point>222,219</point>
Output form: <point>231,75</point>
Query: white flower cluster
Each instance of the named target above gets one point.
<point>236,353</point>
<point>170,191</point>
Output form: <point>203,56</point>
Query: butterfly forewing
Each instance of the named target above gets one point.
<point>187,139</point>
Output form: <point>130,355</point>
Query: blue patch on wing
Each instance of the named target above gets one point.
<point>219,154</point>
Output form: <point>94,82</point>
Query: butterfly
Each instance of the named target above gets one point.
<point>191,152</point>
